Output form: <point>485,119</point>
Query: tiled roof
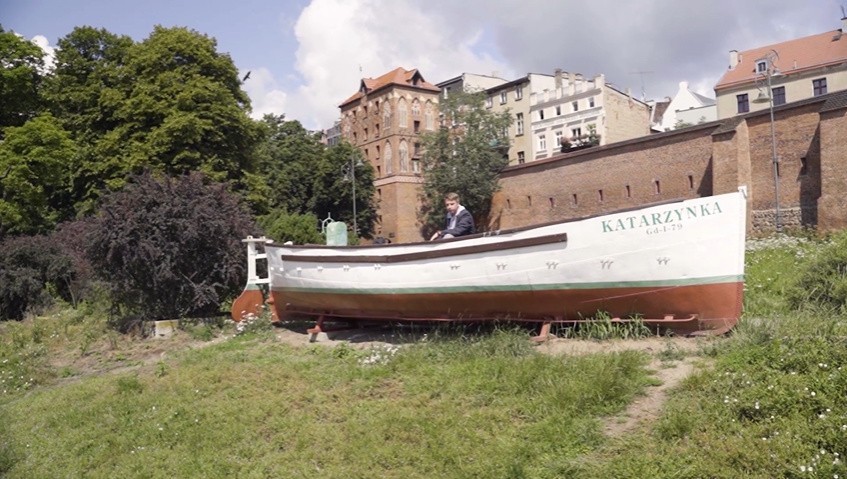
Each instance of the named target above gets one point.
<point>398,76</point>
<point>794,56</point>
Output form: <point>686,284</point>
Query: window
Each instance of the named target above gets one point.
<point>576,132</point>
<point>600,195</point>
<point>690,182</point>
<point>489,102</point>
<point>559,139</point>
<point>429,117</point>
<point>502,97</point>
<point>778,95</point>
<point>574,199</point>
<point>575,105</point>
<point>591,102</point>
<point>416,108</point>
<point>540,114</point>
<point>542,143</point>
<point>521,158</point>
<point>628,192</point>
<point>761,66</point>
<point>558,110</point>
<point>447,92</point>
<point>529,200</point>
<point>743,103</point>
<point>552,202</point>
<point>819,86</point>
<point>417,126</point>
<point>519,124</point>
<point>403,113</point>
<point>376,130</point>
<point>416,165</point>
<point>417,152</point>
<point>657,187</point>
<point>518,92</point>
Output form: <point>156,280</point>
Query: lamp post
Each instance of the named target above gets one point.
<point>769,72</point>
<point>352,177</point>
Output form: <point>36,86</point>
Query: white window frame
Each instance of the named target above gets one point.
<point>489,102</point>
<point>503,97</point>
<point>559,137</point>
<point>518,92</point>
<point>519,124</point>
<point>542,143</point>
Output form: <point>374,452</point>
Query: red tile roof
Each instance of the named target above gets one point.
<point>795,56</point>
<point>398,76</point>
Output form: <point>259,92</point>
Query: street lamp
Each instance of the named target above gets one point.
<point>350,173</point>
<point>768,72</point>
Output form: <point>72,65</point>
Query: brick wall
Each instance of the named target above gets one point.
<point>706,159</point>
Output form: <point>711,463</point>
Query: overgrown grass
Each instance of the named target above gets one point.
<point>487,406</point>
<point>457,404</point>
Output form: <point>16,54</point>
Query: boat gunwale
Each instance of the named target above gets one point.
<point>433,253</point>
<point>497,232</point>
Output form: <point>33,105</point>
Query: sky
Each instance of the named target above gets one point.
<point>307,56</point>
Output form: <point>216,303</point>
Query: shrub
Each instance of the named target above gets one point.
<point>282,226</point>
<point>822,282</point>
<point>72,238</point>
<point>30,268</point>
<point>170,248</point>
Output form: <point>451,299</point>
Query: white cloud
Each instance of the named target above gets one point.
<point>341,41</point>
<point>648,45</point>
<point>265,95</point>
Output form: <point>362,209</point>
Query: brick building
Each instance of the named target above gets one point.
<point>383,119</point>
<point>702,160</point>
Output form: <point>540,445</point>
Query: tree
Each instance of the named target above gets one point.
<point>170,104</point>
<point>305,177</point>
<point>35,164</point>
<point>20,80</point>
<point>170,248</point>
<point>465,155</point>
<point>31,267</point>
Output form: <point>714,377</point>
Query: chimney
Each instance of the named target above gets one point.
<point>558,78</point>
<point>733,59</point>
<point>570,83</point>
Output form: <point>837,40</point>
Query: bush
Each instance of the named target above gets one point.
<point>30,268</point>
<point>73,238</point>
<point>822,282</point>
<point>170,248</point>
<point>282,226</point>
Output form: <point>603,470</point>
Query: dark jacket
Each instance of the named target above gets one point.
<point>464,225</point>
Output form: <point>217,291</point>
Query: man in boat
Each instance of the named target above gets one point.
<point>459,220</point>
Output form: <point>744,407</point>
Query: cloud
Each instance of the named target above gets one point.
<point>643,45</point>
<point>265,95</point>
<point>342,41</point>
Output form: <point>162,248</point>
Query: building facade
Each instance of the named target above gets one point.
<point>796,69</point>
<point>384,119</point>
<point>582,113</point>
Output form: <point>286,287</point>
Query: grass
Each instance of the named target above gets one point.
<point>487,406</point>
<point>771,403</point>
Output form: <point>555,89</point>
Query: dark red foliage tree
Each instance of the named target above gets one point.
<point>170,248</point>
<point>31,267</point>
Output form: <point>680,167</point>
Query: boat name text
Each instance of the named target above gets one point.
<point>675,215</point>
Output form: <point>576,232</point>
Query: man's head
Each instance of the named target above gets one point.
<point>451,202</point>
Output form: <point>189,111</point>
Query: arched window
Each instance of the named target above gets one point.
<point>429,117</point>
<point>403,113</point>
<point>386,116</point>
<point>389,160</point>
<point>404,156</point>
<point>416,108</point>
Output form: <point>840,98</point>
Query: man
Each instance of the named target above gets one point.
<point>459,219</point>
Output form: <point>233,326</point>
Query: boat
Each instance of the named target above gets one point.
<point>678,266</point>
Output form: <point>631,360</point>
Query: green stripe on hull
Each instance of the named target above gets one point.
<point>521,287</point>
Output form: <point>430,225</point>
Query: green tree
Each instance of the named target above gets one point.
<point>334,188</point>
<point>35,164</point>
<point>465,155</point>
<point>20,79</point>
<point>305,177</point>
